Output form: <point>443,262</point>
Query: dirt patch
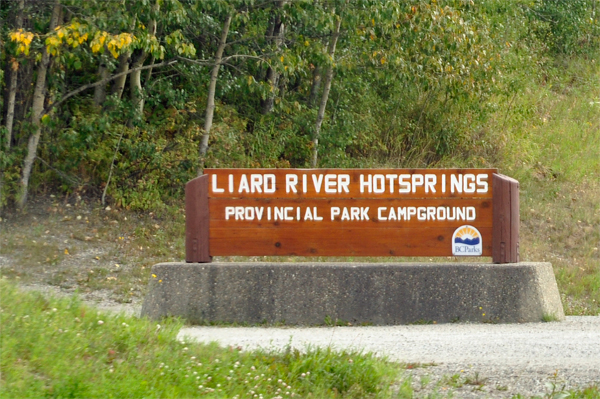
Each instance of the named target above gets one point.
<point>103,254</point>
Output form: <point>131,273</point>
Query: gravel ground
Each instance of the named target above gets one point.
<point>469,360</point>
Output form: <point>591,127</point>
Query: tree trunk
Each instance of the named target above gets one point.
<point>135,80</point>
<point>328,78</point>
<point>275,34</point>
<point>119,83</point>
<point>314,88</point>
<point>135,83</point>
<point>37,108</point>
<point>210,102</point>
<point>12,89</point>
<point>100,91</point>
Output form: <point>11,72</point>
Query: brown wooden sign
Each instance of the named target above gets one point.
<point>352,212</point>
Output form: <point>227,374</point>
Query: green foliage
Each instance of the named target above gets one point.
<point>64,349</point>
<point>567,27</point>
<point>420,84</point>
<point>150,162</point>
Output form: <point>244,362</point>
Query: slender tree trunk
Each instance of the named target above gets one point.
<point>37,108</point>
<point>149,71</point>
<point>274,34</point>
<point>325,96</point>
<point>119,83</point>
<point>100,91</point>
<point>314,88</point>
<point>135,84</point>
<point>12,89</point>
<point>210,102</point>
<point>135,80</point>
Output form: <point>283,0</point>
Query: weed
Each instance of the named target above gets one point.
<point>549,317</point>
<point>422,322</point>
<point>455,380</point>
<point>476,380</point>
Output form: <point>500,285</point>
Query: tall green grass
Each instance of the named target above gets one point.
<point>551,144</point>
<point>60,348</point>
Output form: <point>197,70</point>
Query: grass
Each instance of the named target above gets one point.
<point>550,144</point>
<point>64,349</point>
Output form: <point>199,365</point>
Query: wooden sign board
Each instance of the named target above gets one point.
<point>349,212</point>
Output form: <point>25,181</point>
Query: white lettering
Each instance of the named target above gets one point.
<point>317,217</point>
<point>244,187</point>
<point>364,213</point>
<point>216,189</point>
<point>335,211</point>
<point>364,183</point>
<point>482,184</point>
<point>441,213</point>
<point>470,213</point>
<point>469,183</point>
<point>404,186</point>
<point>278,213</point>
<point>417,180</point>
<point>255,183</point>
<point>287,210</point>
<point>317,182</point>
<point>378,184</point>
<point>239,213</point>
<point>343,183</point>
<point>290,183</point>
<point>430,181</point>
<point>269,183</point>
<point>392,215</point>
<point>308,214</point>
<point>430,213</point>
<point>345,214</point>
<point>330,184</point>
<point>354,213</point>
<point>456,182</point>
<point>391,179</point>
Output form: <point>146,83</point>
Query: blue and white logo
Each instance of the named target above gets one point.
<point>467,241</point>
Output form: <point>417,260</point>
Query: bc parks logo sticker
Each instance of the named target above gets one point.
<point>466,241</point>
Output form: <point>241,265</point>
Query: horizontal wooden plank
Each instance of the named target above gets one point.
<point>348,213</point>
<point>338,242</point>
<point>350,183</point>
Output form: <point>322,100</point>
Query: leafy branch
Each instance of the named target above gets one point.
<point>103,82</point>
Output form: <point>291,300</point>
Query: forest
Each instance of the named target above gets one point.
<point>126,100</point>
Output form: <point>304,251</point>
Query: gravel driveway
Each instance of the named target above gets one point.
<point>470,360</point>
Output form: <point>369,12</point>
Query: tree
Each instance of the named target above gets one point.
<point>335,34</point>
<point>37,108</point>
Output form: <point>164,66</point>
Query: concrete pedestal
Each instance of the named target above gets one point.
<point>357,293</point>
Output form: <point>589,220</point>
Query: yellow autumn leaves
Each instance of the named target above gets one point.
<point>74,35</point>
<point>23,39</point>
<point>112,42</point>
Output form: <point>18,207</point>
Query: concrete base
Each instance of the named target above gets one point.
<point>357,293</point>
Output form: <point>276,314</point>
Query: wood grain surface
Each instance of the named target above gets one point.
<point>287,241</point>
